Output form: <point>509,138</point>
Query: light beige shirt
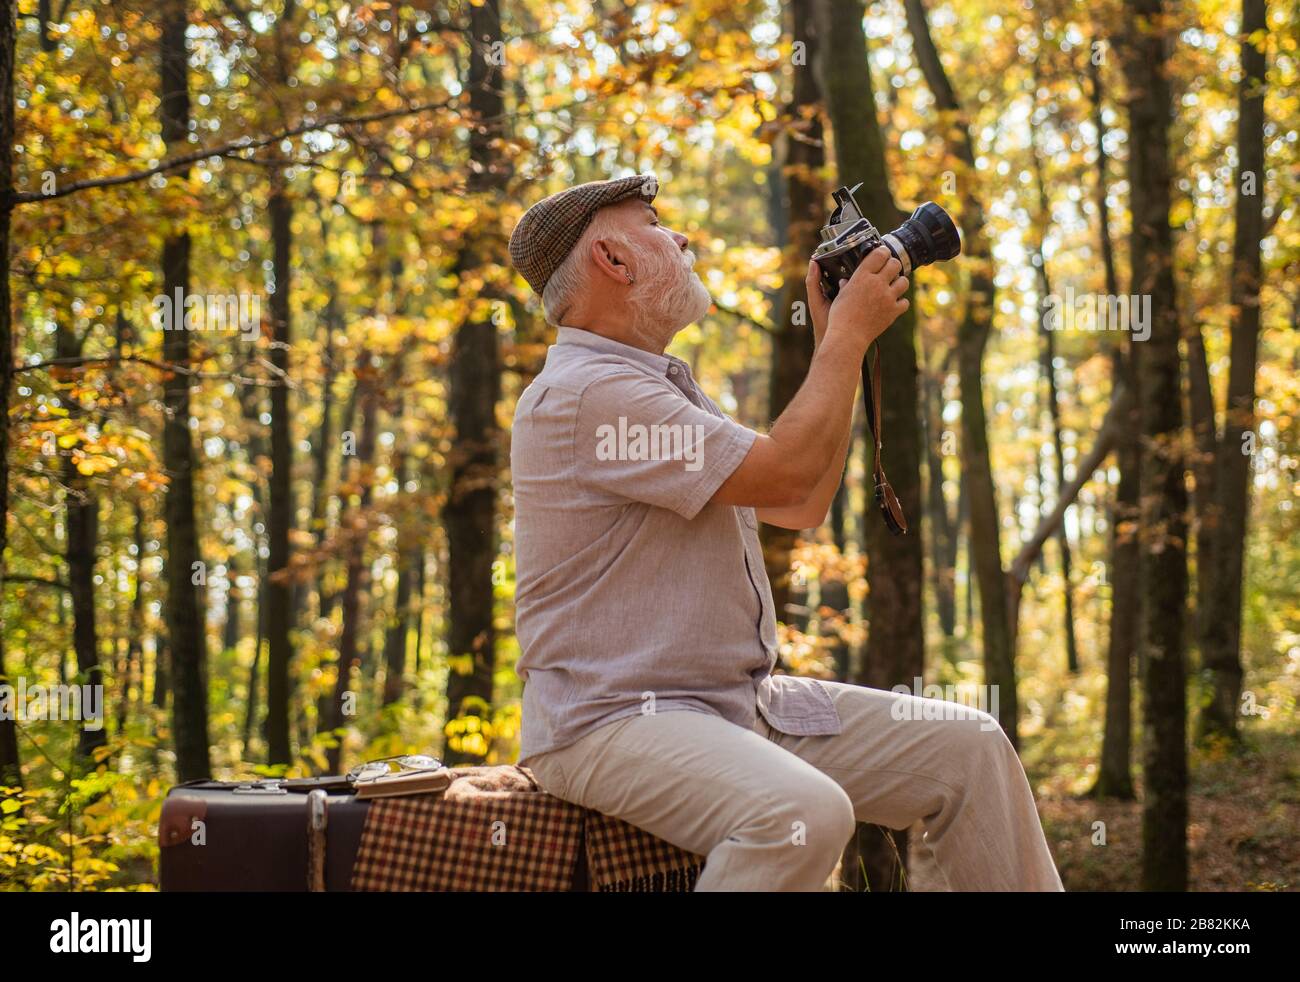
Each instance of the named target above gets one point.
<point>634,592</point>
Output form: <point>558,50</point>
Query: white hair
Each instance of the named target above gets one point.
<point>570,277</point>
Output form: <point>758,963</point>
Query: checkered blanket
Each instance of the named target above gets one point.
<point>495,829</point>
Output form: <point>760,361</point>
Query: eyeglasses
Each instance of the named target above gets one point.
<point>372,769</point>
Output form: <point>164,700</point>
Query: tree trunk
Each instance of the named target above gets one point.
<point>254,670</point>
<point>81,507</point>
<point>231,628</point>
<point>399,625</point>
<point>838,532</point>
<point>1221,642</point>
<point>399,630</point>
<point>278,591</point>
<point>417,612</point>
<point>1163,528</point>
<point>358,572</point>
<point>250,403</point>
<point>1204,465</point>
<point>470,511</point>
<point>968,595</point>
<point>161,672</point>
<point>1047,363</point>
<point>184,607</point>
<point>804,210</point>
<point>348,422</point>
<point>943,534</point>
<point>135,639</point>
<point>895,646</point>
<point>972,338</point>
<point>1114,772</point>
<point>324,444</point>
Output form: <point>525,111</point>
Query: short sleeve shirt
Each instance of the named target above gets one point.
<point>635,593</point>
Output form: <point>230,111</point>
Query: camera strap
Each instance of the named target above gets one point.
<point>885,497</point>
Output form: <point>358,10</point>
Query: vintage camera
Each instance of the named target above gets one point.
<point>926,237</point>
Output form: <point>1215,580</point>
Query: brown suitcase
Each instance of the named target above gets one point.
<point>257,835</point>
<point>262,836</point>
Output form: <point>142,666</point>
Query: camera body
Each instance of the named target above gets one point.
<point>928,236</point>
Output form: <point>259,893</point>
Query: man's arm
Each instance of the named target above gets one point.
<point>813,512</point>
<point>801,460</point>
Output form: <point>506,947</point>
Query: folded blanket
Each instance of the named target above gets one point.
<point>622,858</point>
<point>493,828</point>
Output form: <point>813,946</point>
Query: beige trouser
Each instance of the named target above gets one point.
<point>771,811</point>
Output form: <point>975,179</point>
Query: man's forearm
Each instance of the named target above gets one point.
<point>813,431</point>
<point>820,500</point>
<point>786,468</point>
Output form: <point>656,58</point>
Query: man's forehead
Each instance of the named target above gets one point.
<point>637,206</point>
<point>633,209</point>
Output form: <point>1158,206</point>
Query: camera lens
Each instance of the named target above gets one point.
<point>928,236</point>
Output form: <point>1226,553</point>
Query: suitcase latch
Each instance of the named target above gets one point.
<point>260,787</point>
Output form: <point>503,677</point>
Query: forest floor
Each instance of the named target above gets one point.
<point>1243,829</point>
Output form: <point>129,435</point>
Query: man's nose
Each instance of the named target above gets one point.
<point>681,240</point>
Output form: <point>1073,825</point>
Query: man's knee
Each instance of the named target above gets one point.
<point>990,738</point>
<point>975,744</point>
<point>815,812</point>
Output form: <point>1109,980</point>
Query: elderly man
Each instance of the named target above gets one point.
<point>644,614</point>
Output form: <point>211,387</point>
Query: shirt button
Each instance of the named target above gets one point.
<point>672,369</point>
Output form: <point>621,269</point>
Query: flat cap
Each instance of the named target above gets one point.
<point>551,228</point>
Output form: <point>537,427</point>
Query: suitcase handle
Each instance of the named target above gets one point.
<point>317,821</point>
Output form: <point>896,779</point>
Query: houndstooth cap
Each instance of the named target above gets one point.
<point>551,228</point>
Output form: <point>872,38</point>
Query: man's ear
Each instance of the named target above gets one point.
<point>609,262</point>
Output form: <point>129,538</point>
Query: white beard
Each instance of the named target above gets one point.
<point>667,296</point>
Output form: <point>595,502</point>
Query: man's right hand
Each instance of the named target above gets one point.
<point>870,300</point>
<point>790,475</point>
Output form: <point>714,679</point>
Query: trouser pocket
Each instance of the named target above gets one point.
<point>549,774</point>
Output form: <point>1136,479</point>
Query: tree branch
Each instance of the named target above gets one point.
<point>230,149</point>
<point>41,580</point>
<point>762,325</point>
<point>1106,437</point>
<point>162,366</point>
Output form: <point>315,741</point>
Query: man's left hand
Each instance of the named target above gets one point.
<point>818,306</point>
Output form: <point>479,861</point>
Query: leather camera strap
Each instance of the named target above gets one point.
<point>885,497</point>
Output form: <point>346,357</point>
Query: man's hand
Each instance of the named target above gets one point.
<point>867,296</point>
<point>818,306</point>
<point>871,299</point>
<point>791,473</point>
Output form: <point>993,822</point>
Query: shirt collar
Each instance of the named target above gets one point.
<point>598,342</point>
